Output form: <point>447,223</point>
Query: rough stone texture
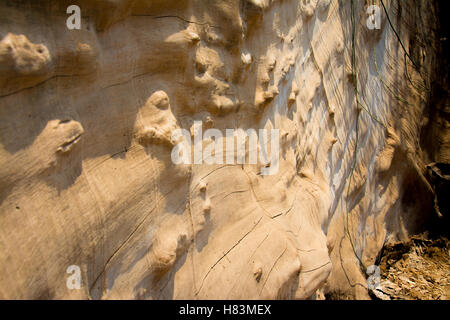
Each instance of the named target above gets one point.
<point>86,117</point>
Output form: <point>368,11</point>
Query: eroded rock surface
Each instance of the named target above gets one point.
<point>86,123</point>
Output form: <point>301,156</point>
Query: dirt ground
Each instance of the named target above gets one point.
<point>418,269</point>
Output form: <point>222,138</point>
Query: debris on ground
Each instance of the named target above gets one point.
<point>418,269</point>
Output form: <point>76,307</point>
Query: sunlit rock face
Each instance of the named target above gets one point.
<point>87,117</point>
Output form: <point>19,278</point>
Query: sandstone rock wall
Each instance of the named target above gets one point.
<point>86,123</point>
